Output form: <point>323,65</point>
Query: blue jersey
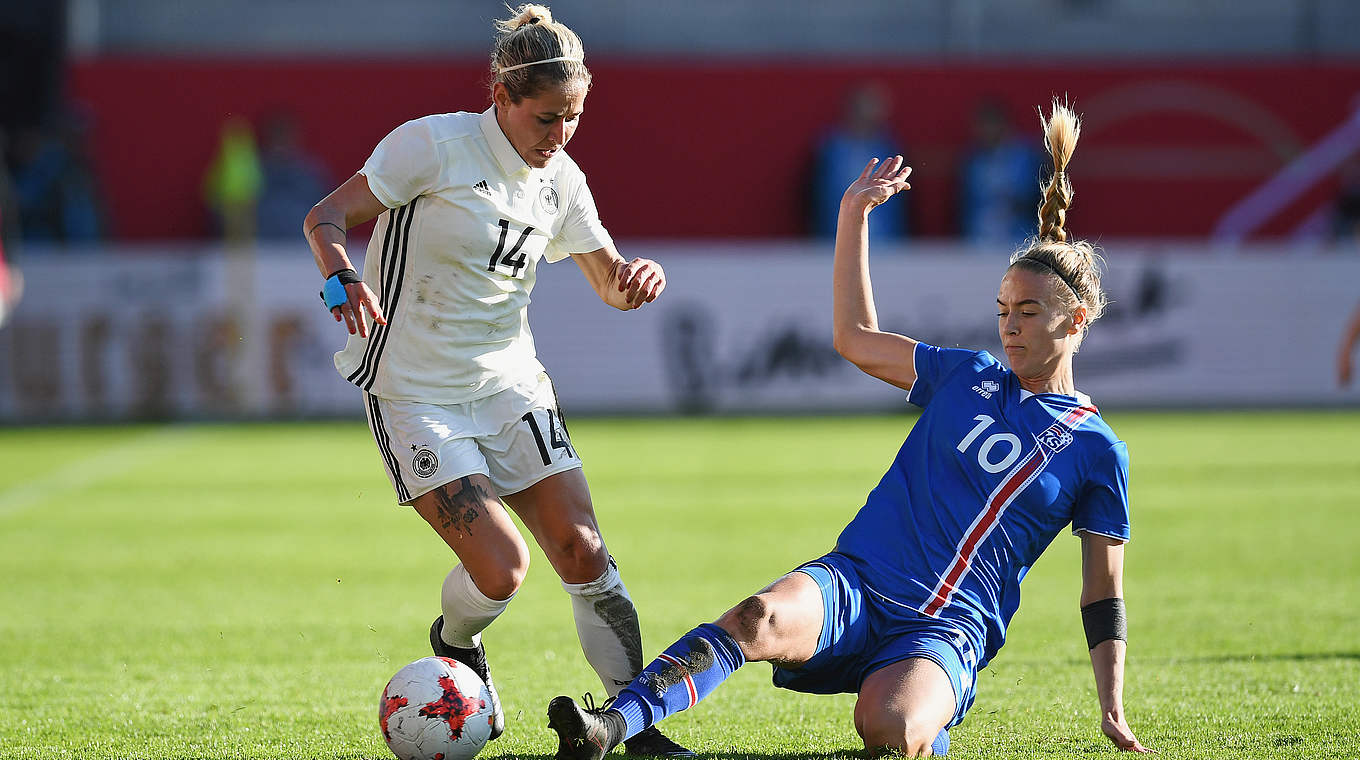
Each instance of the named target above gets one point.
<point>986,479</point>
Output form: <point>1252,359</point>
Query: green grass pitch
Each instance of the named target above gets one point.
<point>245,591</point>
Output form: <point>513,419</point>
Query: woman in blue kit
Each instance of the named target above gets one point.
<point>916,596</point>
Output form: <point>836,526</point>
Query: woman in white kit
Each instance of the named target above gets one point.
<point>462,411</point>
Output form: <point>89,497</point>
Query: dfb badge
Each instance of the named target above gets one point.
<point>425,463</point>
<point>547,197</point>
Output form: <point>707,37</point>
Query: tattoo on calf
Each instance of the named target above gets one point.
<point>460,503</point>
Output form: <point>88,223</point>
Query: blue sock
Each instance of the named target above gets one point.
<point>940,747</point>
<point>689,670</point>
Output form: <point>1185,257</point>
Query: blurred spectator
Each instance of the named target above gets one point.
<point>32,62</point>
<point>54,183</point>
<point>863,133</point>
<point>11,282</point>
<point>293,180</point>
<point>9,202</point>
<point>1345,369</point>
<point>11,287</point>
<point>996,181</point>
<point>233,183</point>
<point>1346,216</point>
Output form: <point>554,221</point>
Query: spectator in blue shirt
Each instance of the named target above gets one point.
<point>996,181</point>
<point>863,132</point>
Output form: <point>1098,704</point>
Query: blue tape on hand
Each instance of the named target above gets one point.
<point>333,293</point>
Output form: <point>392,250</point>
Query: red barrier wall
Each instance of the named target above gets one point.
<point>683,149</point>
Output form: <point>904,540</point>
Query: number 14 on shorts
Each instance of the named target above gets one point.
<point>538,420</point>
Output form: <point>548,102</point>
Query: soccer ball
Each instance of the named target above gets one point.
<point>435,709</point>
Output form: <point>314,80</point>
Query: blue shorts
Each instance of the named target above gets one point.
<point>863,633</point>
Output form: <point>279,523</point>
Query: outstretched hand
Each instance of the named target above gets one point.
<point>876,184</point>
<point>1117,728</point>
<point>360,300</point>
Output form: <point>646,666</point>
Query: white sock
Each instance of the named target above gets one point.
<point>607,624</point>
<point>467,611</point>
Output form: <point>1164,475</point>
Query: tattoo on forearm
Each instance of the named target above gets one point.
<point>460,503</point>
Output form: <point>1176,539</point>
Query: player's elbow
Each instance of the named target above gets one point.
<point>313,217</point>
<point>838,342</point>
<point>843,342</point>
<point>852,347</point>
<point>326,211</point>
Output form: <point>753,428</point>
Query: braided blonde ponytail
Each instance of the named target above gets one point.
<point>1074,266</point>
<point>1061,130</point>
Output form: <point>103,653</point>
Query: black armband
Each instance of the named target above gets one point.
<point>1104,620</point>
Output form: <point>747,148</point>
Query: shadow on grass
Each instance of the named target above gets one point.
<point>844,755</point>
<point>851,755</point>
<point>725,756</point>
<point>787,756</point>
<point>491,755</point>
<point>1275,657</point>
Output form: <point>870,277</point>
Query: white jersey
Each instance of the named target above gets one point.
<point>453,260</point>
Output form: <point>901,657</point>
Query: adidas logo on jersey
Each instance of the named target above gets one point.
<point>482,188</point>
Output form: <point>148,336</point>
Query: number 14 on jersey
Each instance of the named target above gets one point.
<point>502,258</point>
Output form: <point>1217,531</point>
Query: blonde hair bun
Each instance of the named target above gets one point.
<point>529,13</point>
<point>534,52</point>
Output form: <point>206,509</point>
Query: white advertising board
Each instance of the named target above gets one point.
<point>741,328</point>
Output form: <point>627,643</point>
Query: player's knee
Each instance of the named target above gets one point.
<point>502,580</point>
<point>502,586</point>
<point>751,621</point>
<point>756,617</point>
<point>917,739</point>
<point>580,553</point>
<point>909,738</point>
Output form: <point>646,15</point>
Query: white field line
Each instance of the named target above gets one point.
<point>91,470</point>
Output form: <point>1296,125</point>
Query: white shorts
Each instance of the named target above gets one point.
<point>515,437</point>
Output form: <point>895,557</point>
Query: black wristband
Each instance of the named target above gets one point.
<point>346,276</point>
<point>1104,620</point>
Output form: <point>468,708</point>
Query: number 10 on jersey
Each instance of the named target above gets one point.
<point>509,259</point>
<point>985,456</point>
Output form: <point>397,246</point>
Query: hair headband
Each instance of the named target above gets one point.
<point>573,59</point>
<point>1054,270</point>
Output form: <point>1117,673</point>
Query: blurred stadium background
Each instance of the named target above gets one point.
<point>160,157</point>
<point>176,590</point>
